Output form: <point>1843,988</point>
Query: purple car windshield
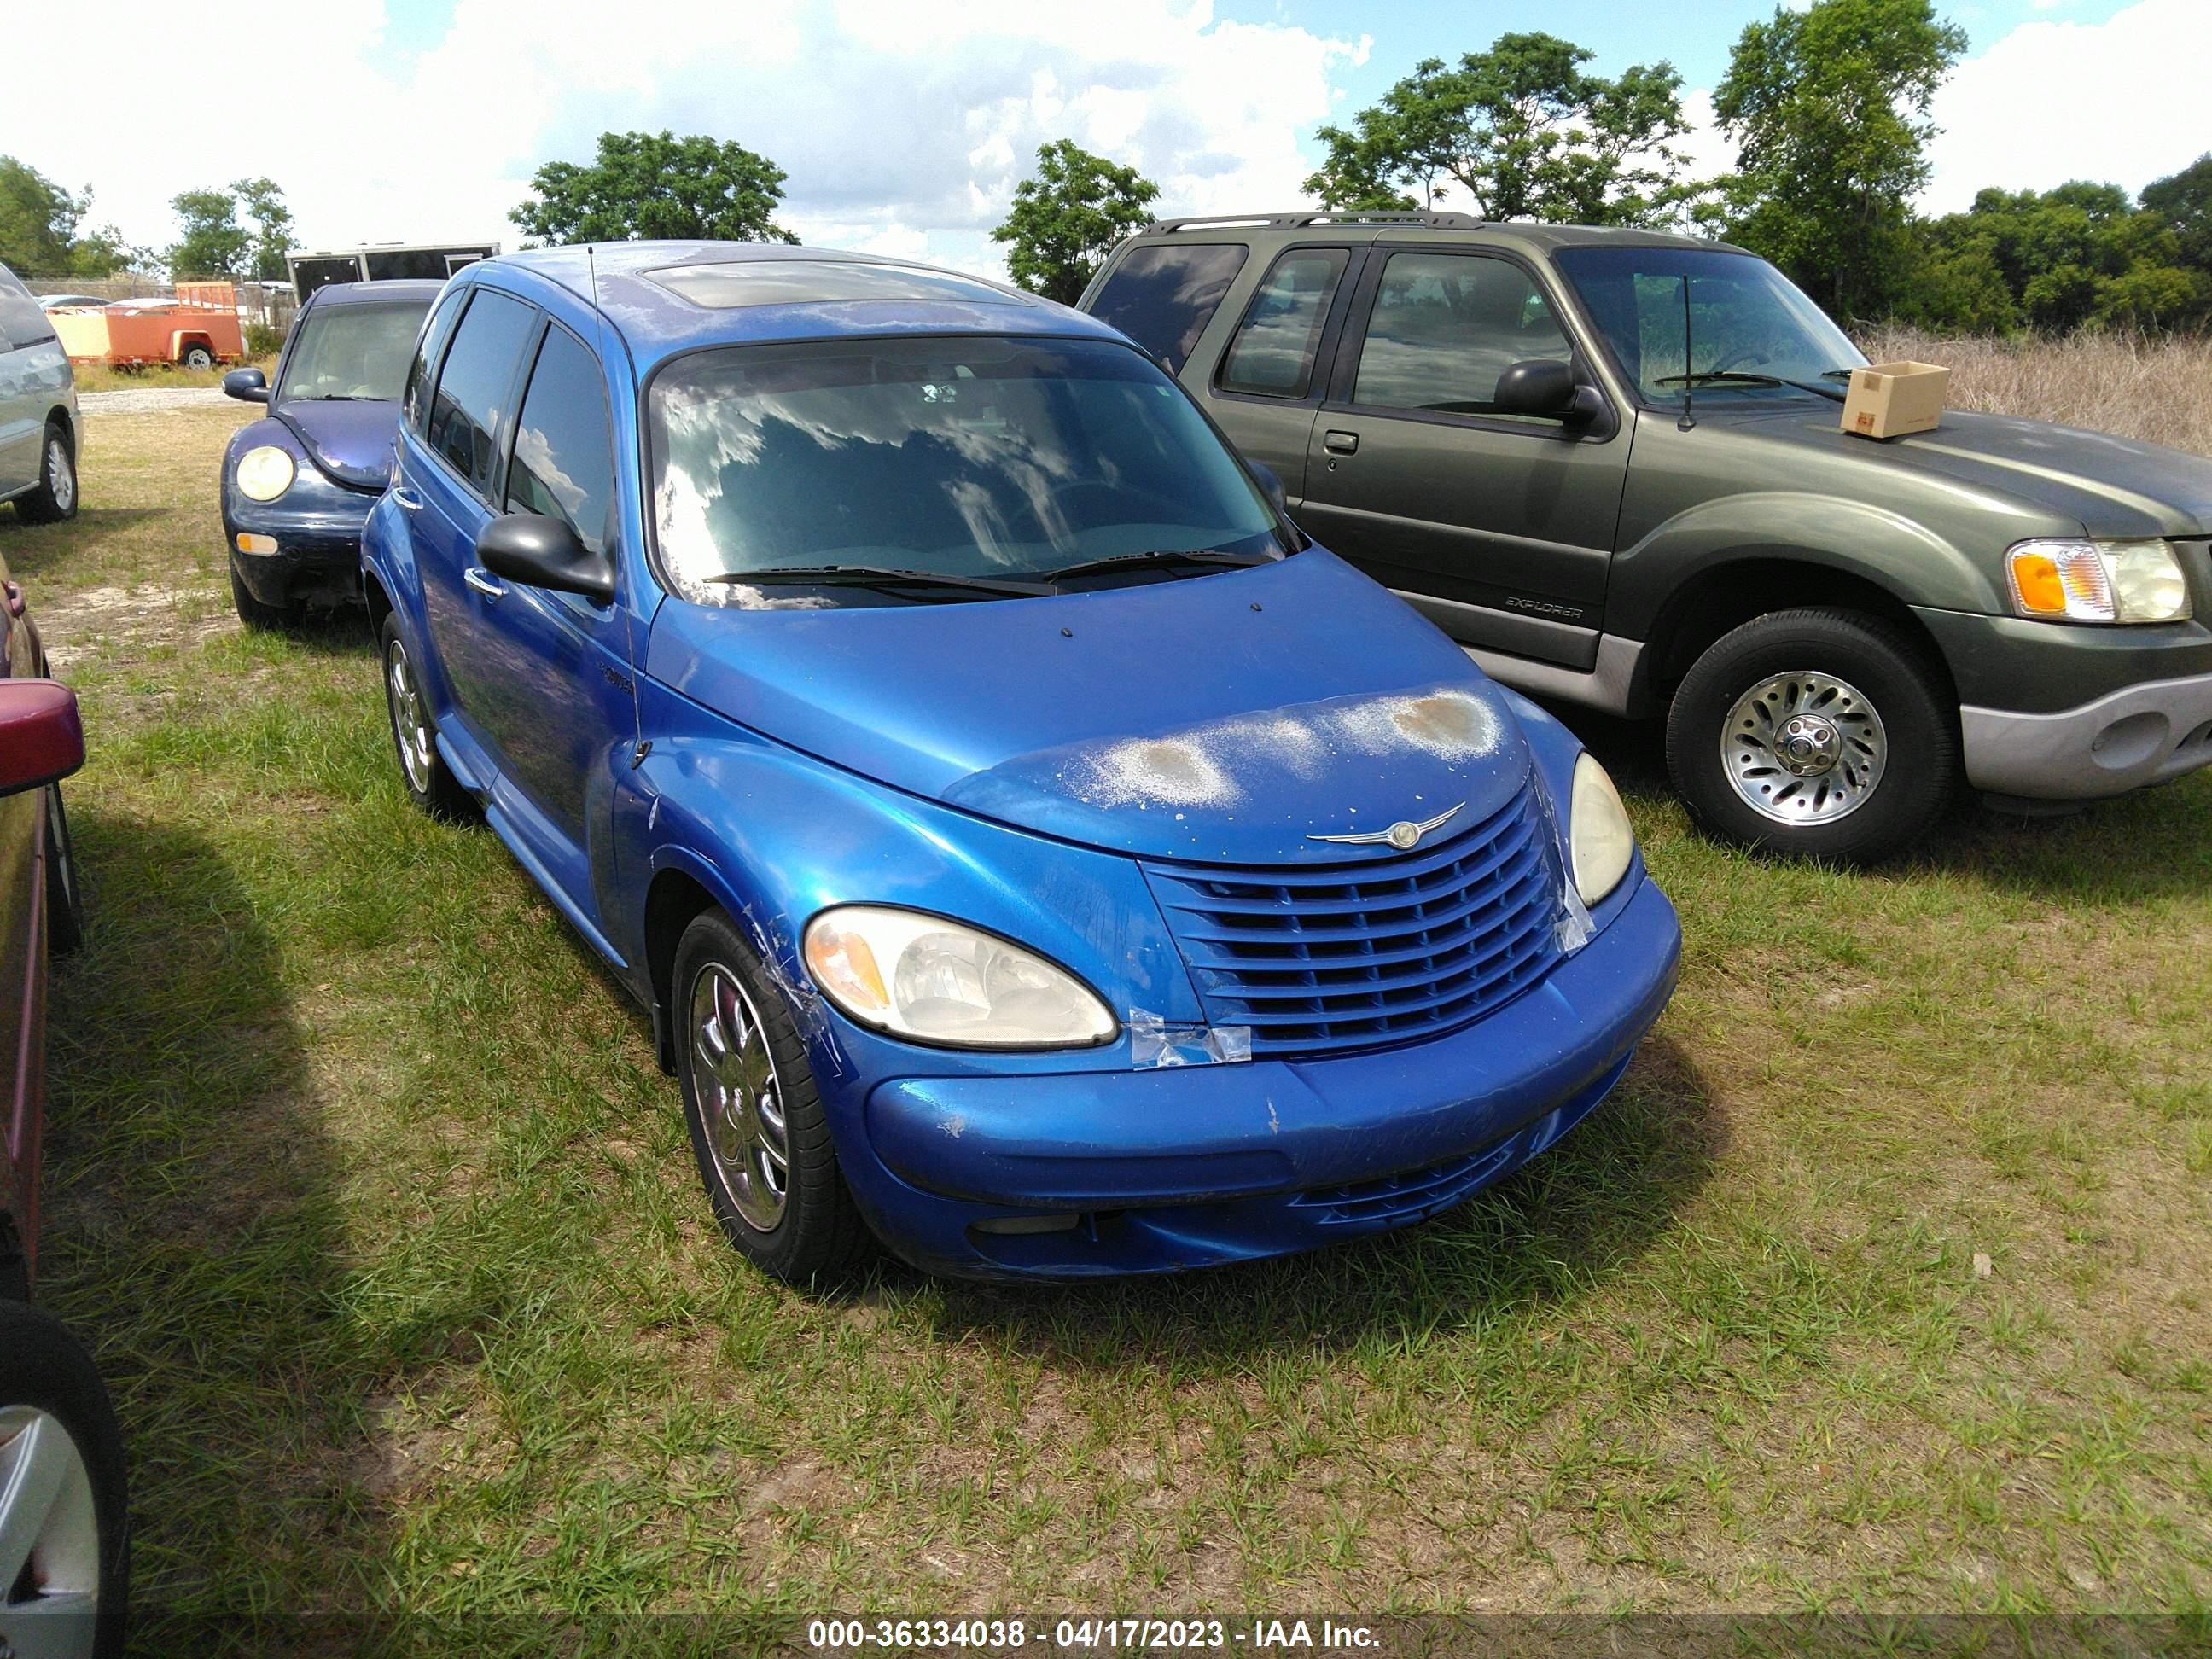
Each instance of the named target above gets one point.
<point>356,353</point>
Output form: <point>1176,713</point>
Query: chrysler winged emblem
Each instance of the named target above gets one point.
<point>1405,835</point>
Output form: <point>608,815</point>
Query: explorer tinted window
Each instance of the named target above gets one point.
<point>563,465</point>
<point>1162,297</point>
<point>1445,327</point>
<point>1272,355</point>
<point>466,418</point>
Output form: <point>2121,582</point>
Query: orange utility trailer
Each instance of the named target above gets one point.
<point>199,328</point>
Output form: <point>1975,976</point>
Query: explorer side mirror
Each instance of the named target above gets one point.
<point>1541,385</point>
<point>542,552</point>
<point>248,385</point>
<point>41,739</point>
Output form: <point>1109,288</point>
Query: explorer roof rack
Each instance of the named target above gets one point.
<point>1301,221</point>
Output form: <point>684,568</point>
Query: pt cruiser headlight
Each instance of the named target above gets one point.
<point>265,473</point>
<point>920,976</point>
<point>1598,832</point>
<point>2133,581</point>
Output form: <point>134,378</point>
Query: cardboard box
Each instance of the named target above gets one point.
<point>1887,400</point>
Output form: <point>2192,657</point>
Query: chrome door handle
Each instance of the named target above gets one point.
<point>408,500</point>
<point>485,583</point>
<point>1340,443</point>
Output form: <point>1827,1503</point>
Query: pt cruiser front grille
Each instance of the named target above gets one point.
<point>1328,958</point>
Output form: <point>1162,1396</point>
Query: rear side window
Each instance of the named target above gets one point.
<point>417,401</point>
<point>1445,327</point>
<point>468,416</point>
<point>1272,355</point>
<point>563,465</point>
<point>1164,296</point>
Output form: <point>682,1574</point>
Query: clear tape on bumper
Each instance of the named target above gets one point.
<point>1153,1041</point>
<point>1571,928</point>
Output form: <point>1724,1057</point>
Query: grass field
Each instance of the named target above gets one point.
<point>155,377</point>
<point>1884,1281</point>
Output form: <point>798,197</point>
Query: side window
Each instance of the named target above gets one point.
<point>563,465</point>
<point>1272,355</point>
<point>1445,327</point>
<point>21,323</point>
<point>1163,295</point>
<point>415,403</point>
<point>467,418</point>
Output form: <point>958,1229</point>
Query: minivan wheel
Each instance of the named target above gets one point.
<point>65,904</point>
<point>757,1128</point>
<point>64,1522</point>
<point>430,784</point>
<point>55,499</point>
<point>1816,733</point>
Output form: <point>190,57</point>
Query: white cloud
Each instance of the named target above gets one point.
<point>903,124</point>
<point>2117,102</point>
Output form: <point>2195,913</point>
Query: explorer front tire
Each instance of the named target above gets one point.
<point>757,1127</point>
<point>1817,733</point>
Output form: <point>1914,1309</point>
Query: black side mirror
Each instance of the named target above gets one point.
<point>248,385</point>
<point>542,552</point>
<point>1272,484</point>
<point>1541,385</point>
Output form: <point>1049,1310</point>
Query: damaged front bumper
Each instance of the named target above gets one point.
<point>1091,1173</point>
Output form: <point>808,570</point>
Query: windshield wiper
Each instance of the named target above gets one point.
<point>1737,377</point>
<point>869,575</point>
<point>1160,556</point>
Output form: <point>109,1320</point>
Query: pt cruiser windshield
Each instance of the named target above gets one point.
<point>971,465</point>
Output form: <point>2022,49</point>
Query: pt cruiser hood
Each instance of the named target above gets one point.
<point>351,440</point>
<point>1221,719</point>
<point>2113,486</point>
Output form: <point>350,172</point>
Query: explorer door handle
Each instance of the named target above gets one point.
<point>408,500</point>
<point>485,583</point>
<point>1340,443</point>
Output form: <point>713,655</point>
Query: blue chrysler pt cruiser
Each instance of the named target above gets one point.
<point>1037,855</point>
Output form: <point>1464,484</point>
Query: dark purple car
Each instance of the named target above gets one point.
<point>297,486</point>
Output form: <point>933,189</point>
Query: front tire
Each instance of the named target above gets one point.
<point>1816,734</point>
<point>64,1515</point>
<point>55,499</point>
<point>258,617</point>
<point>757,1128</point>
<point>64,904</point>
<point>430,783</point>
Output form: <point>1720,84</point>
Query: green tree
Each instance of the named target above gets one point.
<point>39,233</point>
<point>1828,108</point>
<point>1525,131</point>
<point>656,187</point>
<point>1064,221</point>
<point>213,243</point>
<point>263,204</point>
<point>2183,202</point>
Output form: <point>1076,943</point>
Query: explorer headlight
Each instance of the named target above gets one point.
<point>265,473</point>
<point>2131,581</point>
<point>921,977</point>
<point>1598,832</point>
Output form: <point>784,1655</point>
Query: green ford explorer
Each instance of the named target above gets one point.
<point>1610,465</point>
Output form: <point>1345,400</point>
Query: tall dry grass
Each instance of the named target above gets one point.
<point>2158,390</point>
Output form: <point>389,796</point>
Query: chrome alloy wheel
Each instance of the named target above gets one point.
<point>49,1538</point>
<point>61,474</point>
<point>1804,748</point>
<point>410,727</point>
<point>740,1098</point>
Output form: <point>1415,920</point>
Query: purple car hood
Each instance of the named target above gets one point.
<point>1227,718</point>
<point>350,438</point>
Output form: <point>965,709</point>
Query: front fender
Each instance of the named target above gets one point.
<point>776,835</point>
<point>1875,544</point>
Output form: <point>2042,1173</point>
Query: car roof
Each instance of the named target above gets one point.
<point>1444,228</point>
<point>668,297</point>
<point>385,292</point>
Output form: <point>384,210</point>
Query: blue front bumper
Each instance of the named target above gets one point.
<point>1190,1166</point>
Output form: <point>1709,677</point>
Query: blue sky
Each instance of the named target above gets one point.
<point>904,124</point>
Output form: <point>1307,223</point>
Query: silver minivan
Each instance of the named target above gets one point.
<point>39,424</point>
